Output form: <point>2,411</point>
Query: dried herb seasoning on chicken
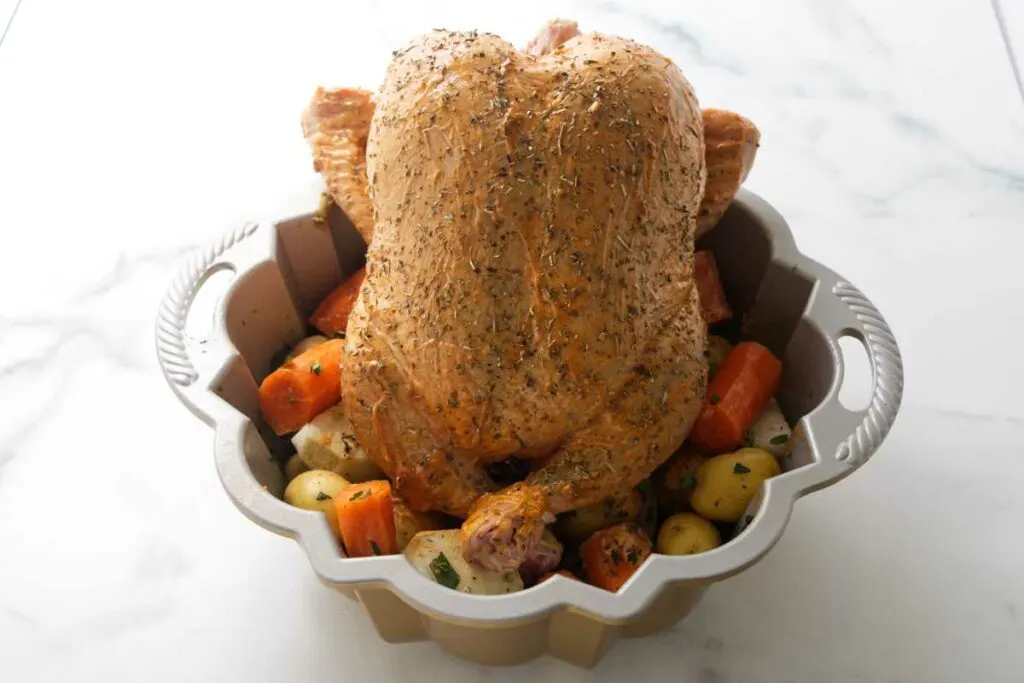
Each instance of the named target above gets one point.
<point>529,287</point>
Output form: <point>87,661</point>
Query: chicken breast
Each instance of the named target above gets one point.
<point>529,285</point>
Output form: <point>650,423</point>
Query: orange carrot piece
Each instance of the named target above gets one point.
<point>737,394</point>
<point>303,387</point>
<point>709,288</point>
<point>610,556</point>
<point>561,572</point>
<point>331,316</point>
<point>366,518</point>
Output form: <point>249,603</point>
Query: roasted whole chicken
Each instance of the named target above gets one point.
<point>530,219</point>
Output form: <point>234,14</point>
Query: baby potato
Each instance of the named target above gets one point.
<point>716,351</point>
<point>437,555</point>
<point>578,525</point>
<point>315,490</point>
<point>727,483</point>
<point>328,442</point>
<point>294,467</point>
<point>771,432</point>
<point>675,481</point>
<point>409,523</point>
<point>306,344</point>
<point>687,534</point>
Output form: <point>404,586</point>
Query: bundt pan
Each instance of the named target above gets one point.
<point>283,268</point>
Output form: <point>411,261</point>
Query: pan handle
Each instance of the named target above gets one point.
<point>835,432</point>
<point>172,347</point>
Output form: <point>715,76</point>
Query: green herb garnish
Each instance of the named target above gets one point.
<point>714,399</point>
<point>358,495</point>
<point>748,519</point>
<point>689,481</point>
<point>320,495</point>
<point>616,556</point>
<point>780,439</point>
<point>740,468</point>
<point>374,548</point>
<point>633,556</point>
<point>316,368</point>
<point>443,572</point>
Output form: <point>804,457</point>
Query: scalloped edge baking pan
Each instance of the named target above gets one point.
<point>282,268</point>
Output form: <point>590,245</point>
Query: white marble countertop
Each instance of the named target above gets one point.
<point>893,141</point>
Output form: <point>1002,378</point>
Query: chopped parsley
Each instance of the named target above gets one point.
<point>444,573</point>
<point>633,556</point>
<point>374,548</point>
<point>740,468</point>
<point>714,399</point>
<point>316,368</point>
<point>689,481</point>
<point>359,495</point>
<point>320,495</point>
<point>780,439</point>
<point>616,556</point>
<point>748,519</point>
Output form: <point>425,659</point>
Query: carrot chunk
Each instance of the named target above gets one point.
<point>366,518</point>
<point>610,556</point>
<point>331,316</point>
<point>737,394</point>
<point>709,288</point>
<point>303,387</point>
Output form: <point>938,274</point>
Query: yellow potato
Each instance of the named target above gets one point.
<point>676,479</point>
<point>294,467</point>
<point>687,534</point>
<point>579,525</point>
<point>727,483</point>
<point>409,523</point>
<point>716,351</point>
<point>306,344</point>
<point>315,490</point>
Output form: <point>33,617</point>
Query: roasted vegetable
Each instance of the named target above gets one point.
<point>713,303</point>
<point>717,350</point>
<point>687,534</point>
<point>302,388</point>
<point>675,481</point>
<point>578,525</point>
<point>294,467</point>
<point>409,523</point>
<point>305,345</point>
<point>315,490</point>
<point>727,483</point>
<point>366,517</point>
<point>331,316</point>
<point>735,397</point>
<point>611,556</point>
<point>561,572</point>
<point>327,443</point>
<point>437,555</point>
<point>770,432</point>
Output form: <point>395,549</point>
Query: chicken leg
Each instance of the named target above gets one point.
<point>640,430</point>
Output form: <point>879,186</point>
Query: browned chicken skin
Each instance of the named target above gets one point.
<point>529,284</point>
<point>336,125</point>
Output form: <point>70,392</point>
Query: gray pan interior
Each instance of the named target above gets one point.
<point>283,268</point>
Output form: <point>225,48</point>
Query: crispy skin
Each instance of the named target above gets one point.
<point>529,284</point>
<point>549,38</point>
<point>731,143</point>
<point>336,126</point>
